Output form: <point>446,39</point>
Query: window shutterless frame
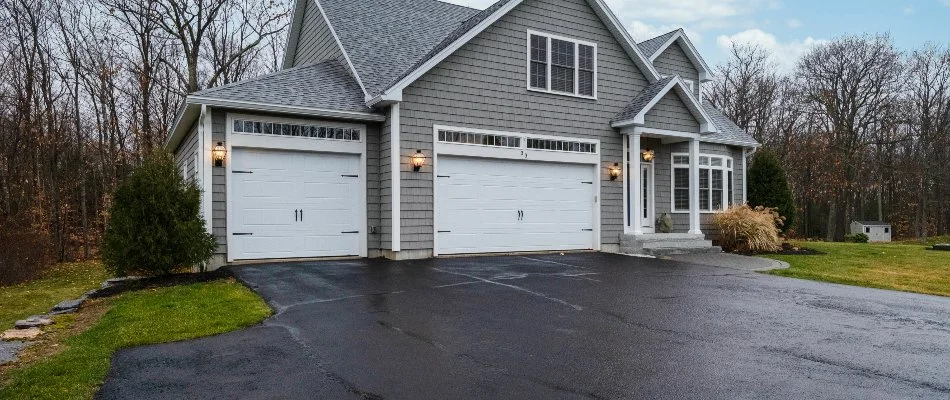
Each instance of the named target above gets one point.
<point>548,64</point>
<point>712,162</point>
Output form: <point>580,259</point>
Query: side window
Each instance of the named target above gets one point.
<point>867,229</point>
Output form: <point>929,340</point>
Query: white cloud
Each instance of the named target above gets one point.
<point>911,10</point>
<point>794,23</point>
<point>785,54</point>
<point>643,31</point>
<point>699,14</point>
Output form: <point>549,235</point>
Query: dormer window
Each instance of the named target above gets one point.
<point>561,65</point>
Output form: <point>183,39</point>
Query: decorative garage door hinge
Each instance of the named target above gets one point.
<point>443,176</point>
<point>242,172</point>
<point>444,231</point>
<point>587,183</point>
<point>587,230</point>
<point>350,176</point>
<point>241,234</point>
<point>350,232</point>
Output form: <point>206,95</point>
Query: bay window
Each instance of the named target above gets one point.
<point>715,183</point>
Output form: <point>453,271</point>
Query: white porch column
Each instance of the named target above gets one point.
<point>694,187</point>
<point>636,185</point>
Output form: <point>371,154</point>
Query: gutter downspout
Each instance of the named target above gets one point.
<point>395,163</point>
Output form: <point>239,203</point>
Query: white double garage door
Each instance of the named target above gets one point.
<point>294,204</point>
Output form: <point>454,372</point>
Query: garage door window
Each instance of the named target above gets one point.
<point>298,130</point>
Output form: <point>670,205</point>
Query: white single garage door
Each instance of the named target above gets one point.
<point>494,205</point>
<point>289,204</point>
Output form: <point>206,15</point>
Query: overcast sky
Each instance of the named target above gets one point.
<point>786,27</point>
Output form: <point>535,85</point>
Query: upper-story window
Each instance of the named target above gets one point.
<point>561,65</point>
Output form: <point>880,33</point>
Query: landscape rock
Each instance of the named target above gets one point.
<point>21,334</point>
<point>119,281</point>
<point>942,247</point>
<point>10,350</point>
<point>35,321</point>
<point>67,306</point>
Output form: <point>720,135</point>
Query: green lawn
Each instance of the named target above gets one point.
<point>64,281</point>
<point>903,266</point>
<point>136,318</point>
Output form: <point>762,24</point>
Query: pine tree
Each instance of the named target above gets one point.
<point>155,224</point>
<point>768,186</point>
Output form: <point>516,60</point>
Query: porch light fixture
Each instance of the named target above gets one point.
<point>614,171</point>
<point>647,155</point>
<point>417,160</point>
<point>218,154</point>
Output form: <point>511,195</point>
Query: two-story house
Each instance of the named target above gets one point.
<point>416,128</point>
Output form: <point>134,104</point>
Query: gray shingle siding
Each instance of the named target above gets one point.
<point>483,85</point>
<point>219,206</point>
<point>186,152</point>
<point>670,113</point>
<point>373,191</point>
<point>673,61</point>
<point>316,42</point>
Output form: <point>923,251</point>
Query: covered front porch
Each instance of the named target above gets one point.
<point>677,174</point>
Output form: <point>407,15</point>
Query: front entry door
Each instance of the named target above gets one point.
<point>647,210</point>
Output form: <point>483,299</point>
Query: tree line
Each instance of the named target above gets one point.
<point>88,88</point>
<point>862,129</point>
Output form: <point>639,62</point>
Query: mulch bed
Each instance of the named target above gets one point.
<point>160,281</point>
<point>787,250</point>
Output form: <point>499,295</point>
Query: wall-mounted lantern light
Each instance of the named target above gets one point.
<point>647,155</point>
<point>417,160</point>
<point>615,171</point>
<point>218,154</point>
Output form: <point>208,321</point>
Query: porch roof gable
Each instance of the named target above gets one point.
<point>634,114</point>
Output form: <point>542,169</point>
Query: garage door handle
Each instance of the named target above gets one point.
<point>296,215</point>
<point>301,215</point>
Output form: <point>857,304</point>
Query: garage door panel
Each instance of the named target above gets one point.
<point>479,201</point>
<point>295,204</point>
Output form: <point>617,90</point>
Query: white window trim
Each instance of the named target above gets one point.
<point>727,194</point>
<point>577,69</point>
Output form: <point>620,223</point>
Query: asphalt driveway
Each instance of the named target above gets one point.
<point>550,326</point>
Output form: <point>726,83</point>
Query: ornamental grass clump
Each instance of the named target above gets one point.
<point>746,229</point>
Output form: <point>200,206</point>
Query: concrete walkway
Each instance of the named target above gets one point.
<point>733,261</point>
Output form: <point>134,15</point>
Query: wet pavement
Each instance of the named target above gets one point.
<point>587,325</point>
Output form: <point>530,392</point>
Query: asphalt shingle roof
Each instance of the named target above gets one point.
<point>873,223</point>
<point>641,101</point>
<point>650,47</point>
<point>386,38</point>
<point>325,85</point>
<point>728,130</point>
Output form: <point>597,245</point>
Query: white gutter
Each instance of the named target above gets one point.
<point>307,111</point>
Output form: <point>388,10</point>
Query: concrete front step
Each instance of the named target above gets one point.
<point>665,252</point>
<point>661,245</point>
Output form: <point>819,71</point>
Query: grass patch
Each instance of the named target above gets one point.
<point>138,318</point>
<point>63,281</point>
<point>894,266</point>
